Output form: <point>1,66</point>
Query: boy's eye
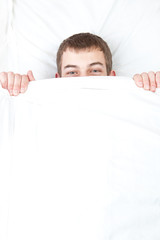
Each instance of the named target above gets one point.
<point>95,70</point>
<point>71,73</point>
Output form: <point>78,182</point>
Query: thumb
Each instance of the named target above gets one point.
<point>30,76</point>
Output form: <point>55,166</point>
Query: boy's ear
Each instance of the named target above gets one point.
<point>57,75</point>
<point>112,73</point>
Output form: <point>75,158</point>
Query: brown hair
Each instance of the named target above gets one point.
<point>82,41</point>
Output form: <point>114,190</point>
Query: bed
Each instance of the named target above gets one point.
<point>80,158</point>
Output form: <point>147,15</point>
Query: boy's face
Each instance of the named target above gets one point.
<point>88,62</point>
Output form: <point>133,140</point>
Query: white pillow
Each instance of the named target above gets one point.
<point>36,28</point>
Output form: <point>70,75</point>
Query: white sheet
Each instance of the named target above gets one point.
<point>80,159</point>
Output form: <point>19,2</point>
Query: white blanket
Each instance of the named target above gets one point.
<point>80,159</point>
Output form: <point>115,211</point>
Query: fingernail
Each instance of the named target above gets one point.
<point>22,90</point>
<point>15,92</point>
<point>140,84</point>
<point>11,92</point>
<point>153,89</point>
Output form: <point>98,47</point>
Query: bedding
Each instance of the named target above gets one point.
<point>80,160</point>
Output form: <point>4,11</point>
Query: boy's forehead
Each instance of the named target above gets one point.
<point>86,54</point>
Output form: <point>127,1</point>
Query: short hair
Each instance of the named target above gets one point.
<point>83,41</point>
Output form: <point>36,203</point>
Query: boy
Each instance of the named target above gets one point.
<point>82,54</point>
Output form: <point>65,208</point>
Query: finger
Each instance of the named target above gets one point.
<point>145,81</point>
<point>24,83</point>
<point>158,79</point>
<point>4,80</point>
<point>30,75</point>
<point>10,82</point>
<point>152,81</point>
<point>17,84</point>
<point>138,80</point>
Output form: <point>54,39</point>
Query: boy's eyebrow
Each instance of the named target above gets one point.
<point>90,65</point>
<point>70,66</point>
<point>96,63</point>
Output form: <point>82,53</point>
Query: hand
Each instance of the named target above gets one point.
<point>15,83</point>
<point>148,81</point>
